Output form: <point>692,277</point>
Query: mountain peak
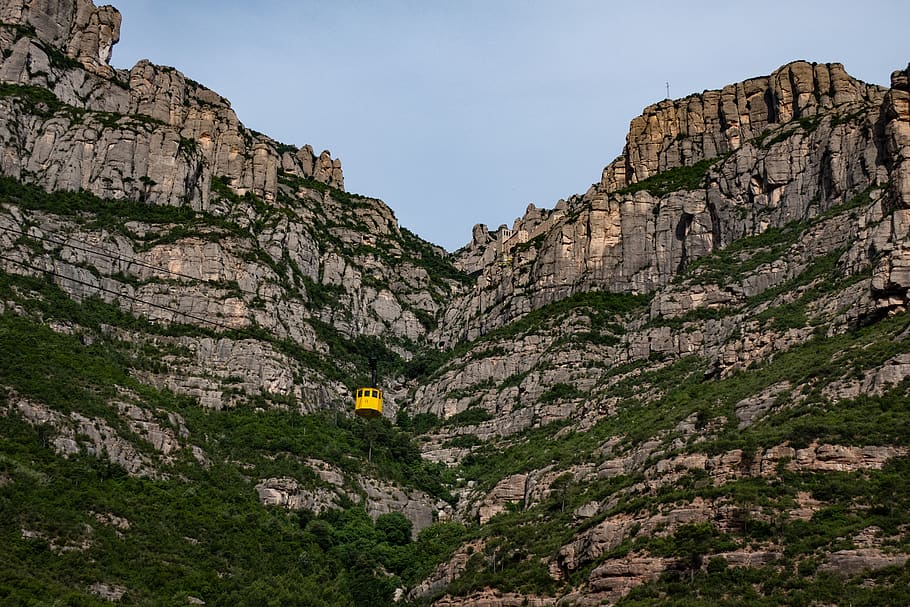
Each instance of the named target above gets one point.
<point>681,132</point>
<point>82,31</point>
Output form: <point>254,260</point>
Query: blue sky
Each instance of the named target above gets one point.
<point>463,112</point>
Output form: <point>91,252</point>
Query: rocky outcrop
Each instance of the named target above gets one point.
<point>896,121</point>
<point>108,592</point>
<point>447,572</point>
<point>74,433</point>
<point>681,132</point>
<point>495,598</point>
<point>377,497</point>
<point>891,276</point>
<point>510,490</point>
<point>78,28</point>
<point>874,382</point>
<point>612,580</point>
<point>287,493</point>
<point>854,562</point>
<point>145,134</point>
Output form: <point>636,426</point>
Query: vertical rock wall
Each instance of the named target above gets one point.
<point>681,132</point>
<point>145,134</point>
<point>788,147</point>
<point>80,29</point>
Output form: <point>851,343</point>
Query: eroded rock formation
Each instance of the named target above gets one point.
<point>144,134</point>
<point>736,162</point>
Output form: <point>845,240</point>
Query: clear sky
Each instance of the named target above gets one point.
<point>456,112</point>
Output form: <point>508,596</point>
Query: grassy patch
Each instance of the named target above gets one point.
<point>744,255</point>
<point>93,210</point>
<point>683,178</point>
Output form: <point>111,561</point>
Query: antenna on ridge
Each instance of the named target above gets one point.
<point>668,90</point>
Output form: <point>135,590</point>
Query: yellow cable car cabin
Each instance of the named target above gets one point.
<point>368,401</point>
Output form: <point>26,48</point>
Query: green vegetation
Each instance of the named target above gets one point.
<point>534,243</point>
<point>198,531</point>
<point>425,256</point>
<point>92,210</point>
<point>62,372</point>
<point>771,586</point>
<point>469,417</point>
<point>420,423</point>
<point>561,391</point>
<point>806,124</point>
<point>795,578</point>
<point>42,102</point>
<point>348,199</point>
<point>602,307</point>
<point>36,100</point>
<point>745,254</point>
<point>685,389</point>
<point>204,536</point>
<point>21,30</point>
<point>683,178</point>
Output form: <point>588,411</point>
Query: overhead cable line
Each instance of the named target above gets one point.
<point>104,253</point>
<point>123,295</point>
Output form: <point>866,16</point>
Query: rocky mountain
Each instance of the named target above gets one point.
<point>696,174</point>
<point>261,234</point>
<point>687,384</point>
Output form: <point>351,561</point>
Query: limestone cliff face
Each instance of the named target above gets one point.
<point>275,243</point>
<point>78,28</point>
<point>838,167</point>
<point>144,134</point>
<point>681,132</point>
<point>891,275</point>
<point>807,223</point>
<point>722,165</point>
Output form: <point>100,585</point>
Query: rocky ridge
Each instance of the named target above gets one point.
<point>145,134</point>
<point>753,156</point>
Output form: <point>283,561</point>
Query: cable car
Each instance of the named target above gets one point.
<point>368,401</point>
